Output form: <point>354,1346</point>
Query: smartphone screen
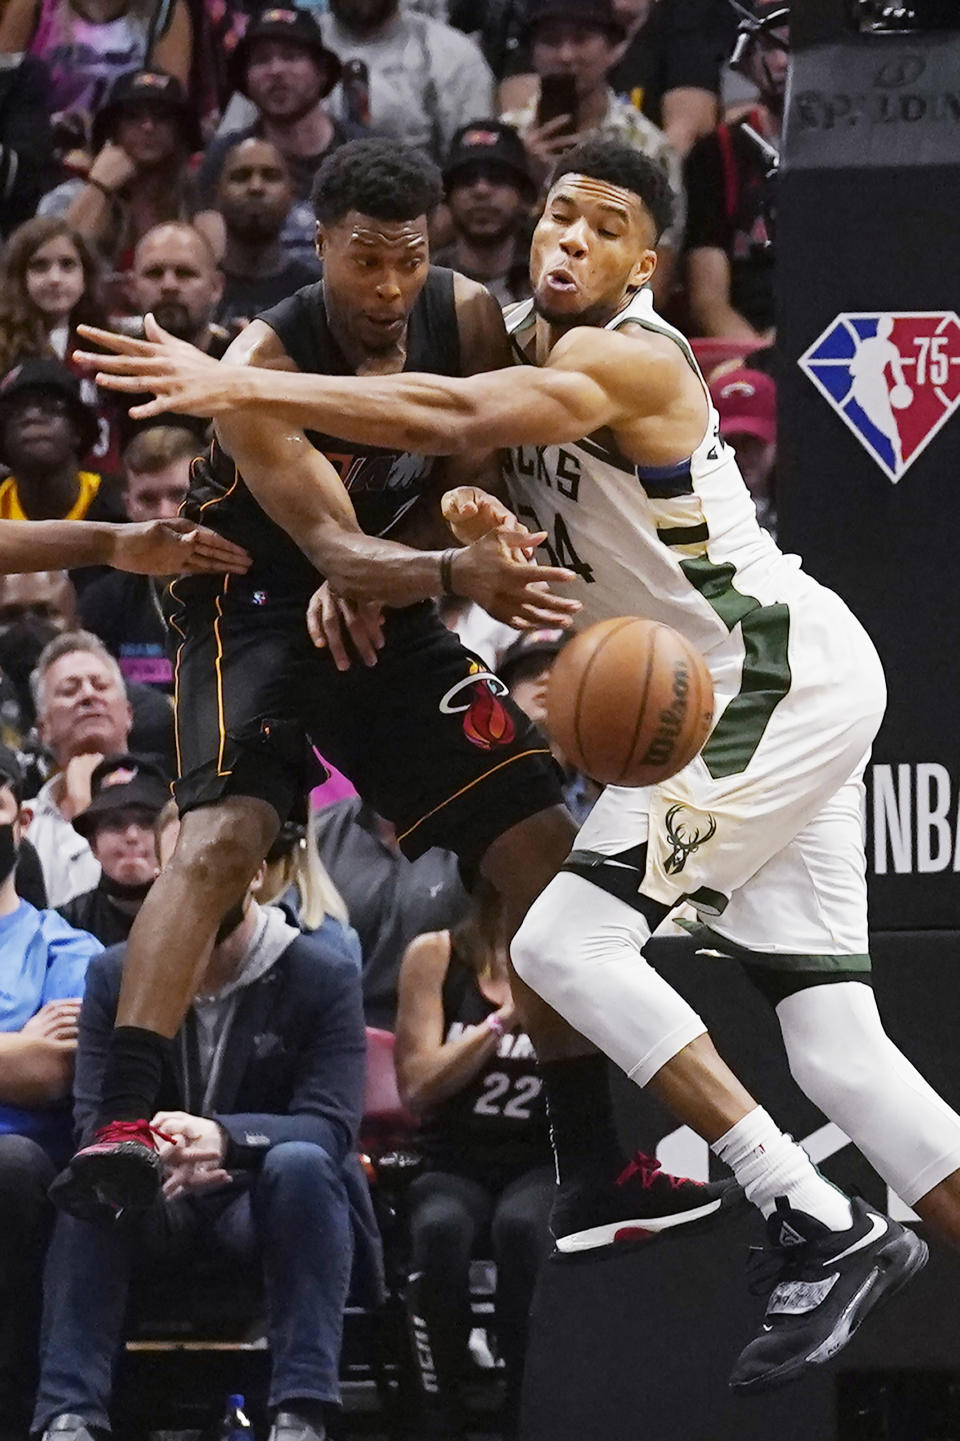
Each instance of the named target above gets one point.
<point>558,96</point>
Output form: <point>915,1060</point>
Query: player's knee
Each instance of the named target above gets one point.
<point>219,855</point>
<point>540,950</point>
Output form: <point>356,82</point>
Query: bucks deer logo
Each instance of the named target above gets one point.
<point>683,840</point>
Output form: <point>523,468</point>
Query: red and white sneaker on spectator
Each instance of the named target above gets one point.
<point>117,1175</point>
<point>593,1213</point>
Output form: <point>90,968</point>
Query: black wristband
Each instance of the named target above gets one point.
<point>446,571</point>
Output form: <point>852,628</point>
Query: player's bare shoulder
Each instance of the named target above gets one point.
<point>258,345</point>
<point>484,344</point>
<point>644,369</point>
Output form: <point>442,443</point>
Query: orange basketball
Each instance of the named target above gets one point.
<point>630,701</point>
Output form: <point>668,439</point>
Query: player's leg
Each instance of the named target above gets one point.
<point>838,1050</point>
<point>235,751</point>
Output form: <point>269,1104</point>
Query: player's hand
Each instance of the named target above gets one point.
<point>195,1139</point>
<point>181,377</point>
<point>56,1021</point>
<point>495,573</point>
<point>472,513</point>
<point>171,547</point>
<point>330,617</point>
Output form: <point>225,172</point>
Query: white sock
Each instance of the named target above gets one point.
<point>768,1164</point>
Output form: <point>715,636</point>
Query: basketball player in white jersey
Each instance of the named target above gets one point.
<point>761,833</point>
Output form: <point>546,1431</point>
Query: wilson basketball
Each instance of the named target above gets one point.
<point>630,701</point>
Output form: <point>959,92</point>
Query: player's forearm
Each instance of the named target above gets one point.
<point>365,567</point>
<point>28,545</point>
<point>433,414</point>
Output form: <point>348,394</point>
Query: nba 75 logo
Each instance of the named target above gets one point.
<point>893,377</point>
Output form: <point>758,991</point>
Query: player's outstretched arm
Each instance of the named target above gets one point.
<point>593,378</point>
<point>299,489</point>
<point>156,547</point>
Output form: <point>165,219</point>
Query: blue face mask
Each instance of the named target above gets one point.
<point>8,850</point>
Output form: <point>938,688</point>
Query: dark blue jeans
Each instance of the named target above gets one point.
<point>294,1218</point>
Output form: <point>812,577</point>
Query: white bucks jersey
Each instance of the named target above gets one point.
<point>679,544</point>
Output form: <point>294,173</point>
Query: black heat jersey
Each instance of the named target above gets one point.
<point>383,484</point>
<point>427,735</point>
<point>498,1122</point>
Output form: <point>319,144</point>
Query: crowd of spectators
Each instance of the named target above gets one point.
<point>158,156</point>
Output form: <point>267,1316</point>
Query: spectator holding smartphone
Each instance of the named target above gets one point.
<point>574,45</point>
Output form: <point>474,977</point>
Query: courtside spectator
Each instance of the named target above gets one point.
<point>43,963</point>
<point>296,880</point>
<point>425,78</point>
<point>34,609</point>
<point>87,48</point>
<point>389,899</point>
<point>490,193</point>
<point>525,668</point>
<point>128,793</point>
<point>50,284</point>
<point>264,1096</point>
<point>46,428</point>
<point>285,69</point>
<point>124,610</point>
<point>582,39</point>
<point>669,65</point>
<point>466,1066</point>
<point>729,242</point>
<point>142,139</point>
<point>746,401</point>
<point>255,197</point>
<point>83,714</point>
<point>175,278</point>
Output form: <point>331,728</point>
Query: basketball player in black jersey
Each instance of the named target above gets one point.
<point>427,735</point>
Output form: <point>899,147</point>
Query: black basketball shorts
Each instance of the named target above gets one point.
<point>428,736</point>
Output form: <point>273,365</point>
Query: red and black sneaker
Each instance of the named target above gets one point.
<point>644,1201</point>
<point>117,1175</point>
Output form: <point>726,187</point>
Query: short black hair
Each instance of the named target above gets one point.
<point>616,162</point>
<point>377,177</point>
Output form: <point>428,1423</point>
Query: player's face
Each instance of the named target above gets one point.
<point>157,494</point>
<point>373,271</point>
<point>54,278</point>
<point>593,244</point>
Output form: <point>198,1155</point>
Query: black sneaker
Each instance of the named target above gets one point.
<point>824,1283</point>
<point>117,1176</point>
<point>642,1202</point>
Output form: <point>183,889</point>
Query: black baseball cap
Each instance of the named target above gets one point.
<point>51,378</point>
<point>289,23</point>
<point>138,87</point>
<point>493,144</point>
<point>120,783</point>
<point>540,645</point>
<point>11,772</point>
<point>598,13</point>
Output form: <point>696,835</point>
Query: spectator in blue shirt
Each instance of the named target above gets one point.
<point>43,963</point>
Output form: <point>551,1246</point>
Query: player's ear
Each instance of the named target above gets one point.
<point>319,239</point>
<point>643,270</point>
